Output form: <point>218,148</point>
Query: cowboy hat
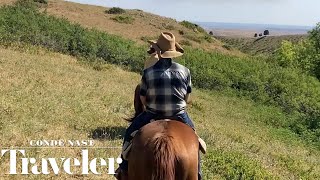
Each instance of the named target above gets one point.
<point>166,46</point>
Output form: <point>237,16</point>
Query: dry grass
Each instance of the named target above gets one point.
<point>52,96</point>
<point>46,95</point>
<point>145,24</point>
<point>6,2</point>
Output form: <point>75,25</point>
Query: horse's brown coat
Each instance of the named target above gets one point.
<point>164,150</point>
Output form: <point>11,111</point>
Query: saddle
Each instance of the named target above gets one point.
<point>127,146</point>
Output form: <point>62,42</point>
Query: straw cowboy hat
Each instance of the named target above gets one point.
<point>166,46</point>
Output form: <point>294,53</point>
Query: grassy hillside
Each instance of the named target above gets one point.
<point>144,25</point>
<point>253,78</point>
<point>258,121</point>
<point>53,96</point>
<point>259,46</point>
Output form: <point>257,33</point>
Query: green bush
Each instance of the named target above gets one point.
<point>268,83</point>
<point>123,19</point>
<point>192,26</point>
<point>185,43</point>
<point>227,46</point>
<point>208,38</point>
<point>294,92</point>
<point>41,1</point>
<point>193,37</point>
<point>304,55</point>
<point>115,10</point>
<point>23,24</point>
<point>314,37</point>
<point>168,26</point>
<point>301,55</point>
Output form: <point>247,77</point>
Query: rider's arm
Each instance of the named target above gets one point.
<point>143,90</point>
<point>143,100</point>
<point>189,89</point>
<point>188,99</point>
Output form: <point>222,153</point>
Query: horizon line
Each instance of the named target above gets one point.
<point>252,23</point>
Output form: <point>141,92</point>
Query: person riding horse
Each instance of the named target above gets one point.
<point>164,90</point>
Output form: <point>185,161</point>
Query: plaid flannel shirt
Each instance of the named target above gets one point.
<point>165,86</point>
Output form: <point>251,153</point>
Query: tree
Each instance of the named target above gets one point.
<point>256,35</point>
<point>314,37</point>
<point>266,32</point>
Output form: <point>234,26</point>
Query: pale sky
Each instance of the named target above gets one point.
<point>284,12</point>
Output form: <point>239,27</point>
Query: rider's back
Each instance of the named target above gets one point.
<point>165,86</point>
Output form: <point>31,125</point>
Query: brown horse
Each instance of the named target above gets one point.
<point>163,150</point>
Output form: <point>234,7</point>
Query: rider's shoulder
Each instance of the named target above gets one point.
<point>180,67</point>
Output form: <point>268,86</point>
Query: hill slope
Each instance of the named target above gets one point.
<point>144,26</point>
<point>53,96</point>
<point>266,45</point>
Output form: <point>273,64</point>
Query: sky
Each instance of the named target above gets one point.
<point>282,12</point>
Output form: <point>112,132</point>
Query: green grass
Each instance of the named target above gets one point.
<point>54,96</point>
<point>253,78</point>
<point>231,165</point>
<point>126,19</point>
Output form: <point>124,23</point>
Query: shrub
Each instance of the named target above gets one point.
<point>181,32</point>
<point>193,26</point>
<point>41,1</point>
<point>146,38</point>
<point>314,38</point>
<point>208,38</point>
<point>123,19</point>
<point>227,46</point>
<point>115,10</point>
<point>168,26</point>
<point>193,37</point>
<point>23,24</point>
<point>185,43</point>
<point>301,55</point>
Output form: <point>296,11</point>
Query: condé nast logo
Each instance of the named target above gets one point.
<point>19,161</point>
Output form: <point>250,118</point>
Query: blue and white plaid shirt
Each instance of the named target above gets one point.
<point>165,86</point>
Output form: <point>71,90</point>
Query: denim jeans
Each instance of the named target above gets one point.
<point>143,119</point>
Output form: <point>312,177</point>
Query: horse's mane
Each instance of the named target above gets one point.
<point>164,157</point>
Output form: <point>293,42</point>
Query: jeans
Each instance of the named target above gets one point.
<point>143,119</point>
